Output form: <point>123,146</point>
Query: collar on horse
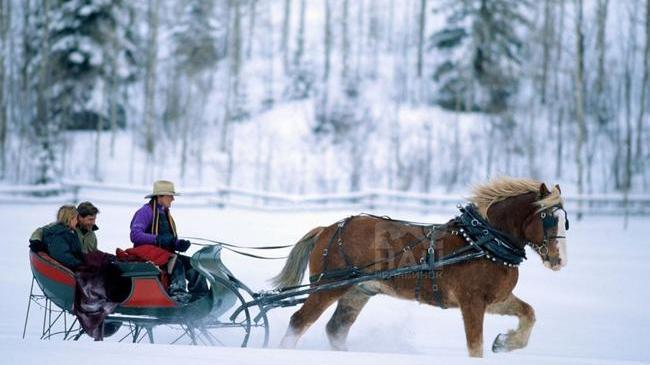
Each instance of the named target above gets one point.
<point>497,245</point>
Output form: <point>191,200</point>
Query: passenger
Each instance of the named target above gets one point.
<point>61,240</point>
<point>85,229</point>
<point>153,224</point>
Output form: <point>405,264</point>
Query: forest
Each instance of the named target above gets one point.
<point>326,96</point>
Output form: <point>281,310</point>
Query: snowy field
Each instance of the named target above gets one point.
<point>594,311</point>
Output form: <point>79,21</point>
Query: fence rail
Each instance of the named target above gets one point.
<point>373,199</point>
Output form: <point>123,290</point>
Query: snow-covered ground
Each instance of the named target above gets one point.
<point>594,311</point>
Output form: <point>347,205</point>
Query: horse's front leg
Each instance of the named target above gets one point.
<point>473,312</point>
<point>518,338</point>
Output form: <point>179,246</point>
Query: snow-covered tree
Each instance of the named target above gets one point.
<point>480,54</point>
<point>76,53</point>
<point>90,47</point>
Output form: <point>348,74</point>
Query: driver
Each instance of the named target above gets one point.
<point>153,224</point>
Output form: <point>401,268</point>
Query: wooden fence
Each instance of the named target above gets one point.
<point>367,200</point>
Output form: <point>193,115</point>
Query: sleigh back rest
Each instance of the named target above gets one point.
<point>56,281</point>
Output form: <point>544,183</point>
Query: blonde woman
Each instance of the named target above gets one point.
<point>61,238</point>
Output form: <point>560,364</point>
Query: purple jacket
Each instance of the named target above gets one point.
<point>141,226</point>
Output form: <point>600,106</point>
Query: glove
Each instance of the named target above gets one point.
<point>183,245</point>
<point>165,240</point>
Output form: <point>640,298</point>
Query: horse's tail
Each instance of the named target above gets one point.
<point>294,269</point>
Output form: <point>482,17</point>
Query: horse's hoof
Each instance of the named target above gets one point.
<point>500,343</point>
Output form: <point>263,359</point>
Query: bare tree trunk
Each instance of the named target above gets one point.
<point>268,167</point>
<point>391,26</point>
<point>14,100</point>
<point>184,126</point>
<point>397,148</point>
<point>227,139</point>
<point>300,36</point>
<point>600,47</point>
<point>114,92</point>
<point>45,131</point>
<point>252,9</point>
<point>360,40</point>
<point>580,103</point>
<point>428,159</point>
<point>328,42</point>
<point>559,101</point>
<point>547,38</point>
<point>345,43</point>
<point>25,96</point>
<point>629,72</point>
<point>5,19</point>
<point>133,135</point>
<point>644,88</point>
<point>421,27</point>
<point>490,152</point>
<point>422,18</point>
<point>269,54</point>
<point>150,83</point>
<point>98,138</point>
<point>532,133</point>
<point>286,28</point>
<point>373,41</point>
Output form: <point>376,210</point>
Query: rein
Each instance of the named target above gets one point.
<point>235,248</point>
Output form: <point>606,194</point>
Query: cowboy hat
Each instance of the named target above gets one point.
<point>162,187</point>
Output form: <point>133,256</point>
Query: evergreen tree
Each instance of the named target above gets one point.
<point>75,52</point>
<point>197,36</point>
<point>89,47</point>
<point>480,50</point>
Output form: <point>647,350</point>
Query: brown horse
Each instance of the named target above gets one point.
<point>518,208</point>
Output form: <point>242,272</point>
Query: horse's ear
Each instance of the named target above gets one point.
<point>543,190</point>
<point>557,186</point>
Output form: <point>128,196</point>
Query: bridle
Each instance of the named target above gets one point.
<point>549,221</point>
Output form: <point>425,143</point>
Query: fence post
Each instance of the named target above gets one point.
<point>74,189</point>
<point>221,196</point>
<point>370,200</point>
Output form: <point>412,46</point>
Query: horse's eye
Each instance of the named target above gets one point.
<point>543,215</point>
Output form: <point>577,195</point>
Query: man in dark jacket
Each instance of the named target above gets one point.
<point>153,224</point>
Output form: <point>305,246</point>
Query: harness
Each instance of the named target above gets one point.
<point>483,241</point>
<point>497,246</point>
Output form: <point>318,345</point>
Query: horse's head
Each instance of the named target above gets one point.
<point>530,212</point>
<point>545,229</point>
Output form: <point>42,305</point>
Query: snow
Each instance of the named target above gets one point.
<point>592,312</point>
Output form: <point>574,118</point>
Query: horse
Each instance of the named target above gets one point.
<point>521,212</point>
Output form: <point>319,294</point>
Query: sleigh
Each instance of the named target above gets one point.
<point>146,306</point>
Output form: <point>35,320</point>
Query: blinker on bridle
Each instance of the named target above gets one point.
<point>549,221</point>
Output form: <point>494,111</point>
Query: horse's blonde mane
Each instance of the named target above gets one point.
<point>506,187</point>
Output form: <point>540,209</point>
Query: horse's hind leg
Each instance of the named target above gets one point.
<point>347,311</point>
<point>518,338</point>
<point>313,307</point>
